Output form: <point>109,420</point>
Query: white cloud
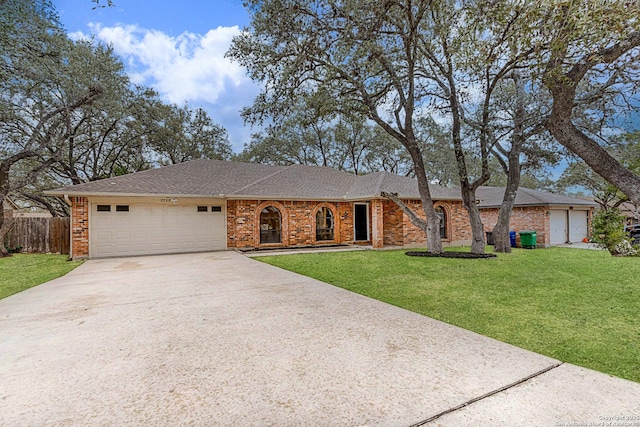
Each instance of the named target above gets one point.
<point>190,67</point>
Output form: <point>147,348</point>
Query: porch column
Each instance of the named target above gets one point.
<point>377,224</point>
<point>79,226</point>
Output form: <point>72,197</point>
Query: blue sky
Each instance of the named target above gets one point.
<point>176,47</point>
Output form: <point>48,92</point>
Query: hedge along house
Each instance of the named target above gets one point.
<point>207,205</point>
<point>556,219</point>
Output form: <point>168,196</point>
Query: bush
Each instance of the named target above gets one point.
<point>609,234</point>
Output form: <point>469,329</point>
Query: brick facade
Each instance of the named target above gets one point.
<point>377,223</point>
<point>458,229</point>
<point>393,224</point>
<point>522,218</point>
<point>79,227</point>
<point>298,222</point>
<point>388,226</point>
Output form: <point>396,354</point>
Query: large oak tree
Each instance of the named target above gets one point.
<point>592,66</point>
<point>34,65</point>
<point>363,54</point>
<point>397,62</point>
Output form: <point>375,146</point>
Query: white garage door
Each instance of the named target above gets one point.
<point>136,229</point>
<point>578,229</point>
<point>558,226</point>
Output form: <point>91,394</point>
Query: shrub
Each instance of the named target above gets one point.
<point>609,234</point>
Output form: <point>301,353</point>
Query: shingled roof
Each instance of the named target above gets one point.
<point>234,180</point>
<point>491,197</point>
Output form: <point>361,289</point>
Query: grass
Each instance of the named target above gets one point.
<point>23,271</point>
<point>578,306</point>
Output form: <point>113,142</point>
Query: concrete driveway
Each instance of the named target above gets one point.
<point>220,339</point>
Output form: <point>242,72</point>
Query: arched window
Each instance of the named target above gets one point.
<point>442,216</point>
<point>270,225</point>
<point>324,224</point>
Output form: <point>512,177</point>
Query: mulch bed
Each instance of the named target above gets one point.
<point>464,255</point>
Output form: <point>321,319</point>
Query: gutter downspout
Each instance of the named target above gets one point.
<point>68,201</point>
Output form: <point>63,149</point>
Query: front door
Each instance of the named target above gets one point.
<point>361,222</point>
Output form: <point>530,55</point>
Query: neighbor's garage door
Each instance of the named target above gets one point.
<point>578,229</point>
<point>155,229</point>
<point>558,226</point>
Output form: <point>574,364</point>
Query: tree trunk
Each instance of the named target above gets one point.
<point>4,228</point>
<point>501,238</point>
<point>4,192</point>
<point>431,227</point>
<point>466,188</point>
<point>477,228</point>
<point>434,242</point>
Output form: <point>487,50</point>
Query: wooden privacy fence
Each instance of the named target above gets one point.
<point>39,235</point>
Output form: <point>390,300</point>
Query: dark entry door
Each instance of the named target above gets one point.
<point>361,222</point>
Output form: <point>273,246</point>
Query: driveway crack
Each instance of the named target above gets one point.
<point>484,396</point>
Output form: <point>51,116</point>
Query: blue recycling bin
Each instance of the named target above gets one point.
<point>512,238</point>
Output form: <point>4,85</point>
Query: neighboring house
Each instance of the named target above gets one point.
<point>9,208</point>
<point>32,213</point>
<point>556,219</point>
<point>206,205</point>
<point>631,213</point>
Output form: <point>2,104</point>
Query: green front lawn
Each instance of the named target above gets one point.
<point>578,306</point>
<point>23,271</point>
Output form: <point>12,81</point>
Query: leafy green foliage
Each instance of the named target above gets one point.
<point>609,233</point>
<point>591,72</point>
<point>70,114</point>
<point>579,306</point>
<point>180,134</point>
<point>348,143</point>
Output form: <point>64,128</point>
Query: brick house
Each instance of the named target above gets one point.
<point>12,210</point>
<point>556,219</point>
<point>9,208</point>
<point>206,205</point>
<point>631,213</point>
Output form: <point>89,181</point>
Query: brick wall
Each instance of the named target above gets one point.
<point>240,224</point>
<point>459,220</point>
<point>298,222</point>
<point>79,227</point>
<point>345,223</point>
<point>393,224</point>
<point>388,224</point>
<point>377,223</point>
<point>458,227</point>
<point>522,218</point>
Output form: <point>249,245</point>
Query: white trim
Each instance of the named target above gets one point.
<point>66,198</point>
<point>89,226</point>
<point>354,222</point>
